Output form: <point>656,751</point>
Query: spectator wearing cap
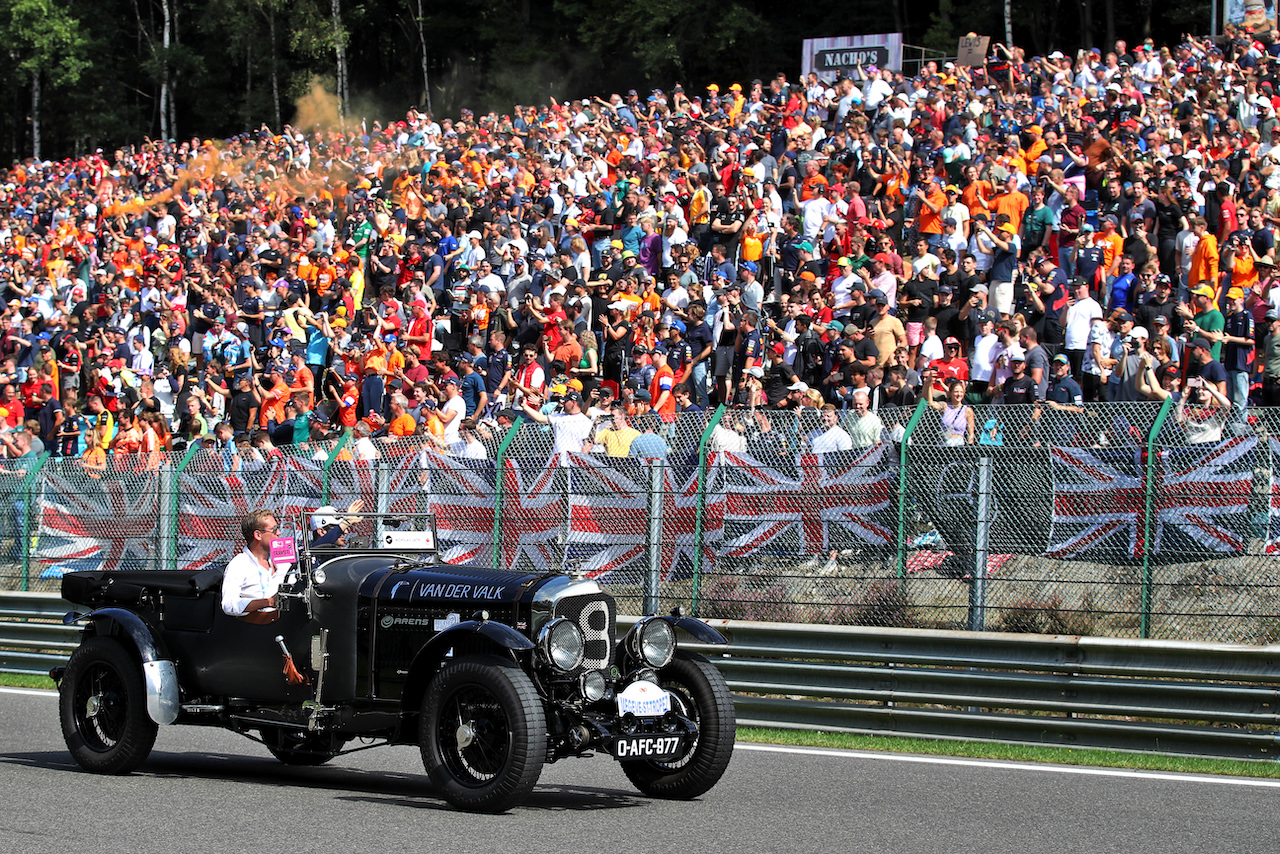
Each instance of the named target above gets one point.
<point>571,428</point>
<point>1159,304</point>
<point>778,376</point>
<point>616,438</point>
<point>1202,319</point>
<point>1006,250</point>
<point>1063,392</point>
<point>452,409</point>
<point>662,386</point>
<point>475,396</point>
<point>752,290</point>
<point>1238,351</point>
<point>1271,359</point>
<point>1083,311</point>
<point>142,364</point>
<point>886,331</point>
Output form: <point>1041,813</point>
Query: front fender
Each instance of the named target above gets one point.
<point>158,672</point>
<point>697,628</point>
<point>425,664</point>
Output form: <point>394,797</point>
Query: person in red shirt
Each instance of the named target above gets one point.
<point>953,366</point>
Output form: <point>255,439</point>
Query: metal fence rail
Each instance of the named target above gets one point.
<point>1198,699</point>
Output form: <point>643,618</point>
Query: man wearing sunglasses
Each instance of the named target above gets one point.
<point>250,582</point>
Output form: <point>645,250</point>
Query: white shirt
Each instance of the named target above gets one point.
<point>571,432</point>
<point>835,439</point>
<point>245,580</point>
<point>458,406</point>
<point>1080,318</point>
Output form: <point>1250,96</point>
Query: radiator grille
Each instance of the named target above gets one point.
<point>595,615</point>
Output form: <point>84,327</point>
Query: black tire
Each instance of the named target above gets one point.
<point>506,734</point>
<point>103,706</point>
<point>297,748</point>
<point>699,693</point>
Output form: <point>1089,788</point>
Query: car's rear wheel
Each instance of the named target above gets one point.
<point>103,707</point>
<point>293,747</point>
<point>483,733</point>
<point>699,693</point>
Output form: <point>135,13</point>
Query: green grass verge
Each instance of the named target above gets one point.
<point>1011,752</point>
<point>24,680</point>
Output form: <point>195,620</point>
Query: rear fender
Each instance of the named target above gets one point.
<point>158,672</point>
<point>476,636</point>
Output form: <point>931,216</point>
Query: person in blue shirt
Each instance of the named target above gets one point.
<point>648,445</point>
<point>474,396</point>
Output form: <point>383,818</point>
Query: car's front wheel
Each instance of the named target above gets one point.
<point>483,733</point>
<point>103,707</point>
<point>699,693</point>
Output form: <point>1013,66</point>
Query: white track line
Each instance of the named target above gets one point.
<point>1013,766</point>
<point>30,692</point>
<point>937,760</point>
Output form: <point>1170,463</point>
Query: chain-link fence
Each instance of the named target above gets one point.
<point>1137,519</point>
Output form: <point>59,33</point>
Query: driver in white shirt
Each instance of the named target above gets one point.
<point>250,582</point>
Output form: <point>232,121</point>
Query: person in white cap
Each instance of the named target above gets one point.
<point>327,529</point>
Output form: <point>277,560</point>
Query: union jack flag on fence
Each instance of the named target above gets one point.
<point>87,523</point>
<point>809,503</point>
<point>1199,504</point>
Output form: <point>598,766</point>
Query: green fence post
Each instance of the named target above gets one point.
<point>498,484</point>
<point>702,507</point>
<point>27,483</point>
<point>169,520</point>
<point>328,464</point>
<point>903,459</point>
<point>1149,500</point>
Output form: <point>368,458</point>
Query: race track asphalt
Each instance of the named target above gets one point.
<point>207,790</point>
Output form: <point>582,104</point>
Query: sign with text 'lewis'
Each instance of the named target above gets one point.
<point>972,50</point>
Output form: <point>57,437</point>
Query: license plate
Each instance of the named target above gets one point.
<point>647,746</point>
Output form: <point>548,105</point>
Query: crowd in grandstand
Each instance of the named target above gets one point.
<point>1035,231</point>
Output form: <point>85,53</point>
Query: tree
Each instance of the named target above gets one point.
<point>45,42</point>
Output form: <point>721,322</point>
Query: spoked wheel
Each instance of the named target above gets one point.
<point>699,693</point>
<point>483,734</point>
<point>298,748</point>
<point>102,705</point>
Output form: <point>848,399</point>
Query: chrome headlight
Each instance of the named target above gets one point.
<point>652,641</point>
<point>560,644</point>
<point>593,686</point>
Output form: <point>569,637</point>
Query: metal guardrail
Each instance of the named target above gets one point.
<point>1199,699</point>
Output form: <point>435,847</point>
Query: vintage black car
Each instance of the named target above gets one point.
<point>492,673</point>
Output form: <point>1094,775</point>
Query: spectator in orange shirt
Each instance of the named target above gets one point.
<point>128,438</point>
<point>976,194</point>
<point>271,401</point>
<point>662,387</point>
<point>814,184</point>
<point>304,383</point>
<point>1011,202</point>
<point>1204,261</point>
<point>932,201</point>
<point>402,423</point>
<point>1113,246</point>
